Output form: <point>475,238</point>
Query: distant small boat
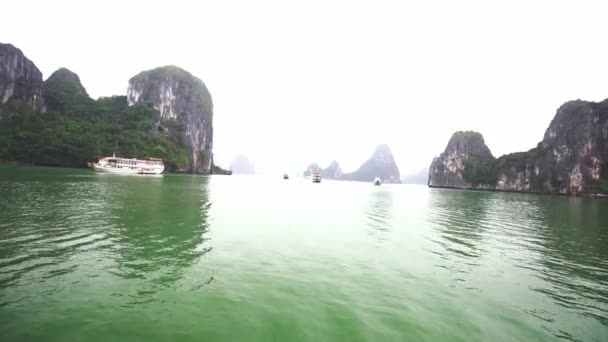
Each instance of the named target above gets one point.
<point>285,176</point>
<point>316,177</point>
<point>377,181</point>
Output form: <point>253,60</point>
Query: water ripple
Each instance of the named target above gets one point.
<point>378,262</point>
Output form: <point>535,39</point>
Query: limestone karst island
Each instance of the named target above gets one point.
<point>571,159</point>
<point>167,112</point>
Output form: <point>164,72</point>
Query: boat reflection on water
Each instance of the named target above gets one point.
<point>378,212</point>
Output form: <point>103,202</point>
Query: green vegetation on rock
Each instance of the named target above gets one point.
<point>479,171</point>
<point>64,92</point>
<point>76,128</point>
<point>599,186</point>
<point>571,158</point>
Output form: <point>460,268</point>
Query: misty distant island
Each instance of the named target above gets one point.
<point>241,165</point>
<point>381,164</point>
<point>168,113</point>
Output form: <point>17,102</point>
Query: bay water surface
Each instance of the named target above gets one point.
<point>86,256</point>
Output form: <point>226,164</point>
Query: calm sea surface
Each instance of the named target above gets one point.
<point>97,257</point>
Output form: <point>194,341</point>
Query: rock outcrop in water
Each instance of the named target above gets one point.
<point>242,165</point>
<point>20,79</point>
<point>571,158</point>
<point>333,171</point>
<point>185,110</point>
<point>216,170</point>
<point>465,149</point>
<point>381,164</point>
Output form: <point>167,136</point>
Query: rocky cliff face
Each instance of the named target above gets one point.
<point>185,109</point>
<point>464,148</point>
<point>571,158</point>
<point>20,79</point>
<point>242,165</point>
<point>381,164</point>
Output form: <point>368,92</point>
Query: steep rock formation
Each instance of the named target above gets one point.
<point>571,158</point>
<point>333,171</point>
<point>20,79</point>
<point>242,165</point>
<point>63,89</point>
<point>381,164</point>
<point>185,109</point>
<point>464,148</point>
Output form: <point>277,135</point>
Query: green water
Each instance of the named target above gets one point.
<point>97,257</point>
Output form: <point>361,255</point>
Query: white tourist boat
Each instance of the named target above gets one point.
<point>316,177</point>
<point>147,166</point>
<point>377,181</point>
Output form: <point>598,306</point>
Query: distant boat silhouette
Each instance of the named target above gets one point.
<point>316,177</point>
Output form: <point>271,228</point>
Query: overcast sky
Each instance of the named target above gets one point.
<point>299,82</point>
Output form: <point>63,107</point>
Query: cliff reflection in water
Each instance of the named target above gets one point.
<point>161,229</point>
<point>459,218</point>
<point>574,263</point>
<point>556,245</point>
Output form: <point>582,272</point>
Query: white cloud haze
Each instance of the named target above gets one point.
<point>295,82</point>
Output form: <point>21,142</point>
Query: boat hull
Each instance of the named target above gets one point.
<point>126,171</point>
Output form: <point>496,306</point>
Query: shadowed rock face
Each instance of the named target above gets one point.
<point>576,144</point>
<point>63,89</point>
<point>185,110</point>
<point>570,159</point>
<point>20,79</point>
<point>447,169</point>
<point>381,164</point>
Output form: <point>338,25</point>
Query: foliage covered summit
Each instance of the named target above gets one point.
<point>76,128</point>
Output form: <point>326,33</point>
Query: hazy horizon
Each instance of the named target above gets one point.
<point>294,84</point>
